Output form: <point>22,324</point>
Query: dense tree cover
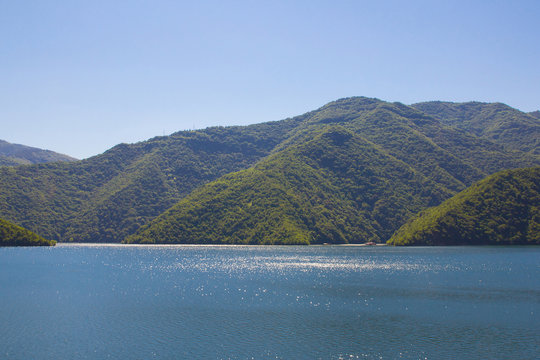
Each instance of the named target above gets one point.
<point>9,161</point>
<point>13,235</point>
<point>107,197</point>
<point>498,122</point>
<point>504,208</point>
<point>445,154</point>
<point>110,196</point>
<point>334,188</point>
<point>15,154</point>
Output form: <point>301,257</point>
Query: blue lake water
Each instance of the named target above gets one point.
<point>243,302</point>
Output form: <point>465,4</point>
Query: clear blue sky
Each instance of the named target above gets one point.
<point>79,77</point>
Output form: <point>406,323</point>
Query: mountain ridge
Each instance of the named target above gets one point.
<point>313,193</point>
<point>108,197</point>
<point>496,121</point>
<point>16,154</point>
<point>535,114</point>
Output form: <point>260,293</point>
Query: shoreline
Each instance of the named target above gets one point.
<point>74,244</point>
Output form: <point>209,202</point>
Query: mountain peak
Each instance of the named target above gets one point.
<point>358,103</point>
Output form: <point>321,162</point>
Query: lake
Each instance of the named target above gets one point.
<point>269,302</point>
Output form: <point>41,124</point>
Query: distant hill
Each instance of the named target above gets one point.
<point>498,122</point>
<point>15,154</point>
<point>504,208</point>
<point>109,197</point>
<point>13,235</point>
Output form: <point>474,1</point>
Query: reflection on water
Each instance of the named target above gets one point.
<point>238,302</point>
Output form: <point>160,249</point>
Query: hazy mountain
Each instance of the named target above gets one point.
<point>15,154</point>
<point>504,208</point>
<point>110,196</point>
<point>498,122</point>
<point>535,114</point>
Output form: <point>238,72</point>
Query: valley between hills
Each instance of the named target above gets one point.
<point>355,170</point>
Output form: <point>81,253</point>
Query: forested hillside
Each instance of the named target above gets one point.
<point>107,197</point>
<point>335,188</point>
<point>504,208</point>
<point>110,196</point>
<point>13,235</point>
<point>498,122</point>
<point>15,154</point>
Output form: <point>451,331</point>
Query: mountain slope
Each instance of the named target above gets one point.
<point>13,235</point>
<point>445,154</point>
<point>495,121</point>
<point>108,197</point>
<point>332,189</point>
<point>15,154</point>
<point>535,114</point>
<point>502,209</point>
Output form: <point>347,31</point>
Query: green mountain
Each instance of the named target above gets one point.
<point>15,154</point>
<point>107,197</point>
<point>504,208</point>
<point>498,122</point>
<point>110,196</point>
<point>13,235</point>
<point>334,188</point>
<point>442,153</point>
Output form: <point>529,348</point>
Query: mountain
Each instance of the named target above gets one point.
<point>110,196</point>
<point>504,208</point>
<point>13,235</point>
<point>398,132</point>
<point>15,154</point>
<point>107,197</point>
<point>333,188</point>
<point>535,114</point>
<point>498,122</point>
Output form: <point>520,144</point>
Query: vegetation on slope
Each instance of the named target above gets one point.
<point>502,209</point>
<point>335,188</point>
<point>535,114</point>
<point>15,154</point>
<point>110,196</point>
<point>498,122</point>
<point>13,235</point>
<point>444,154</point>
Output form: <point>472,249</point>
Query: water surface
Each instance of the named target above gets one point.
<point>271,302</point>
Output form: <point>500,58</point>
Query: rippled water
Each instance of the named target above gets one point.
<point>243,302</point>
